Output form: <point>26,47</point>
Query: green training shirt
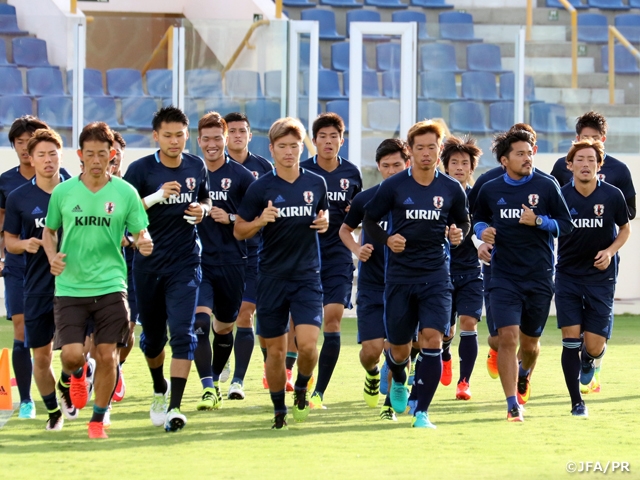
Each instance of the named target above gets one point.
<point>93,225</point>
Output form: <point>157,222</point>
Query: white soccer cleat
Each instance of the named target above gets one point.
<point>236,391</point>
<point>159,405</point>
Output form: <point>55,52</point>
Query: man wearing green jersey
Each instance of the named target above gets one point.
<point>93,211</point>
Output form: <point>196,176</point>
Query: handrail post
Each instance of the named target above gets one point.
<point>529,19</point>
<point>278,9</point>
<point>574,42</point>
<point>73,7</point>
<point>612,63</point>
<point>170,47</point>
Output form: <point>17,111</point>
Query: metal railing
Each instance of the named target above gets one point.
<point>243,44</point>
<point>166,42</point>
<point>574,41</point>
<point>614,35</point>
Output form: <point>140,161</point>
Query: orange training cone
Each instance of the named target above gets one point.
<point>5,381</point>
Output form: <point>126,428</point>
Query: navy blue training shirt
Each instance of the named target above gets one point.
<point>343,183</point>
<point>594,221</point>
<point>289,247</point>
<point>420,214</point>
<point>464,257</point>
<point>9,181</point>
<point>175,241</point>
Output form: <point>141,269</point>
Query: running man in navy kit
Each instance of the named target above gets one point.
<point>519,214</point>
<point>290,207</point>
<point>175,192</point>
<point>392,156</point>
<point>420,204</point>
<point>344,181</point>
<point>223,261</point>
<point>587,267</point>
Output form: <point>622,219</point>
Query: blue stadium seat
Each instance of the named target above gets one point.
<point>9,21</point>
<point>137,140</point>
<point>327,21</point>
<point>370,87</point>
<point>30,52</point>
<point>259,145</point>
<point>386,3</point>
<point>629,25</point>
<point>14,106</point>
<point>608,4</point>
<point>436,85</point>
<point>92,82</point>
<point>507,87</point>
<point>549,118</point>
<point>262,113</point>
<point>101,109</point>
<point>305,56</point>
<point>203,83</point>
<point>544,146</point>
<point>592,28</point>
<point>124,82</point>
<point>328,85</point>
<point>364,16</point>
<point>501,116</point>
<point>413,16</point>
<point>3,53</point>
<point>439,56</point>
<point>10,81</point>
<point>340,57</point>
<point>344,149</point>
<point>577,4</point>
<point>303,110</point>
<point>341,107</point>
<point>634,3</point>
<point>384,115</point>
<point>298,3</point>
<point>56,111</point>
<point>440,4</point>
<point>137,112</point>
<point>44,81</point>
<point>467,117</point>
<point>160,83</point>
<point>565,145</point>
<point>391,84</point>
<point>484,57</point>
<point>625,62</point>
<point>341,3</point>
<point>457,26</point>
<point>388,57</point>
<point>192,110</point>
<point>273,84</point>
<point>223,106</point>
<point>4,140</point>
<point>429,109</point>
<point>480,86</point>
<point>243,84</point>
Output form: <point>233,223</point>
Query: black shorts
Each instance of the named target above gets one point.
<point>221,290</point>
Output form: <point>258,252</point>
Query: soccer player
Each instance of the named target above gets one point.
<point>519,214</point>
<point>587,266</point>
<point>13,265</point>
<point>343,183</point>
<point>460,158</point>
<point>223,262</point>
<point>91,275</point>
<point>420,203</point>
<point>392,156</point>
<point>175,193</point>
<point>290,203</point>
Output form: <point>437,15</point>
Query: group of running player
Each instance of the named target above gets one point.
<point>211,226</point>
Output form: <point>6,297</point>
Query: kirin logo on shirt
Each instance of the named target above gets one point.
<point>533,199</point>
<point>602,177</point>
<point>308,196</point>
<point>225,183</point>
<point>344,184</point>
<point>438,202</point>
<point>191,183</point>
<point>598,209</point>
<point>109,207</point>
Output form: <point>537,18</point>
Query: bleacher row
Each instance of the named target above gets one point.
<point>441,4</point>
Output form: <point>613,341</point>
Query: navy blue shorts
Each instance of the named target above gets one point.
<point>524,303</point>
<point>131,291</point>
<point>221,291</point>
<point>277,298</point>
<point>590,306</point>
<point>13,290</point>
<point>422,305</point>
<point>370,312</point>
<point>466,296</point>
<point>337,283</point>
<point>39,323</point>
<point>250,283</point>
<point>486,281</point>
<point>168,300</point>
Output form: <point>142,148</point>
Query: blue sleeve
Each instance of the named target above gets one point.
<point>356,212</point>
<point>323,203</point>
<point>252,204</point>
<point>621,216</point>
<point>482,216</point>
<point>626,185</point>
<point>381,204</point>
<point>558,213</point>
<point>12,220</point>
<point>133,176</point>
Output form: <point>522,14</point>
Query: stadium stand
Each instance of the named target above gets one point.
<point>625,62</point>
<point>467,117</point>
<point>9,21</point>
<point>159,82</point>
<point>628,24</point>
<point>436,85</point>
<point>30,52</point>
<point>549,118</point>
<point>370,86</point>
<point>384,116</point>
<point>608,4</point>
<point>92,82</point>
<point>501,116</point>
<point>137,112</point>
<point>391,84</point>
<point>262,113</point>
<point>326,20</point>
<point>101,109</point>
<point>203,83</point>
<point>10,81</point>
<point>44,81</point>
<point>457,26</point>
<point>124,82</point>
<point>592,28</point>
<point>484,57</point>
<point>341,107</point>
<point>388,57</point>
<point>413,16</point>
<point>137,140</point>
<point>273,84</point>
<point>243,84</point>
<point>577,4</point>
<point>480,86</point>
<point>57,111</point>
<point>438,56</point>
<point>429,109</point>
<point>13,107</point>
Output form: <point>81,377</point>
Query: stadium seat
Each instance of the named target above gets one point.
<point>369,146</point>
<point>439,56</point>
<point>9,21</point>
<point>221,105</point>
<point>14,106</point>
<point>391,84</point>
<point>305,56</point>
<point>328,85</point>
<point>243,84</point>
<point>101,109</point>
<point>273,84</point>
<point>577,4</point>
<point>341,107</point>
<point>388,57</point>
<point>340,57</point>
<point>592,28</point>
<point>384,115</point>
<point>92,82</point>
<point>549,118</point>
<point>480,86</point>
<point>457,26</point>
<point>625,62</point>
<point>137,112</point>
<point>124,82</point>
<point>608,4</point>
<point>467,117</point>
<point>342,3</point>
<point>298,3</point>
<point>629,25</point>
<point>259,145</point>
<point>137,140</point>
<point>3,53</point>
<point>413,16</point>
<point>56,111</point>
<point>30,52</point>
<point>544,146</point>
<point>192,110</point>
<point>564,145</point>
<point>262,113</point>
<point>203,83</point>
<point>365,16</point>
<point>507,87</point>
<point>10,81</point>
<point>327,21</point>
<point>436,85</point>
<point>44,81</point>
<point>634,3</point>
<point>440,4</point>
<point>484,57</point>
<point>501,116</point>
<point>370,87</point>
<point>386,3</point>
<point>429,109</point>
<point>160,83</point>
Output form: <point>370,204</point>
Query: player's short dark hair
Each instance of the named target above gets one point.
<point>391,146</point>
<point>117,137</point>
<point>526,127</point>
<point>44,135</point>
<point>592,120</point>
<point>325,120</point>
<point>502,143</point>
<point>466,144</point>
<point>236,117</point>
<point>597,145</point>
<point>25,124</point>
<point>96,131</point>
<point>169,114</point>
<point>422,128</point>
<point>212,120</point>
<point>285,126</point>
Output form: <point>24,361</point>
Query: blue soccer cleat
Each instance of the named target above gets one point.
<point>398,396</point>
<point>421,420</point>
<point>384,379</point>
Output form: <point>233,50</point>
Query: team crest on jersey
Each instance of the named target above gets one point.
<point>534,198</point>
<point>308,196</point>
<point>344,184</point>
<point>225,183</point>
<point>191,183</point>
<point>438,202</point>
<point>598,209</point>
<point>602,177</point>
<point>109,207</point>
<point>255,174</point>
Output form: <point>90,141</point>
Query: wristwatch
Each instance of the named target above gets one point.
<point>232,218</point>
<point>538,220</point>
